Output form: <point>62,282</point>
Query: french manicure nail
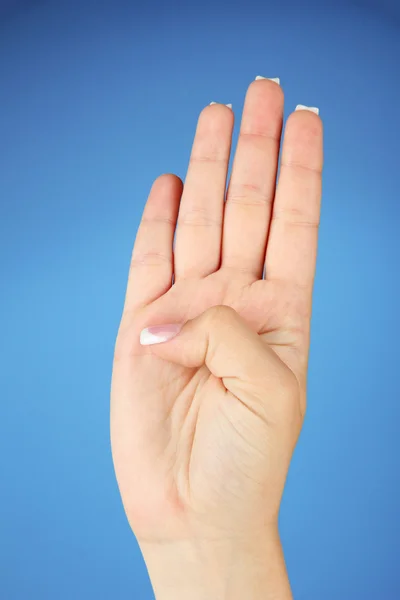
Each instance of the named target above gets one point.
<point>228,105</point>
<point>159,334</point>
<point>313,109</point>
<point>275,79</point>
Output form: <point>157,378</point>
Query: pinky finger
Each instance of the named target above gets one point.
<point>151,268</point>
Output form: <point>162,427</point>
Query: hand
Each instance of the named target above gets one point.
<point>203,426</point>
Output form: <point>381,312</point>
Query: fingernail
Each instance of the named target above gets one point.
<point>159,334</point>
<point>275,79</point>
<point>228,105</point>
<point>313,109</point>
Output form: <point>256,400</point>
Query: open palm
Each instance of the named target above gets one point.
<point>183,447</point>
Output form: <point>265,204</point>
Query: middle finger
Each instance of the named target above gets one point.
<point>252,186</point>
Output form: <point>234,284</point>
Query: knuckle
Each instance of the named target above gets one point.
<point>302,168</point>
<point>248,194</point>
<point>198,217</point>
<point>297,217</point>
<point>149,259</point>
<point>212,155</point>
<point>221,314</point>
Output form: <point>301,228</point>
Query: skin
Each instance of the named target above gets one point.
<point>203,426</point>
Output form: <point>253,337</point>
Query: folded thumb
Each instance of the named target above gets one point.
<point>220,339</point>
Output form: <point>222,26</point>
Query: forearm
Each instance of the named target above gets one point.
<point>218,570</point>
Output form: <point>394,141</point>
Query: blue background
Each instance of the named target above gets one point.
<point>96,100</point>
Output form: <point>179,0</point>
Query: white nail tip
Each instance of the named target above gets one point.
<point>148,339</point>
<point>159,334</point>
<point>313,109</point>
<point>275,79</point>
<point>228,105</point>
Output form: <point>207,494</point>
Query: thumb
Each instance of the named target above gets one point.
<point>220,339</point>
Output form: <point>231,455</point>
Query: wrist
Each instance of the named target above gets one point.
<point>216,569</point>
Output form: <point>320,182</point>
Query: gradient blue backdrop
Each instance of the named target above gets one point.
<point>96,100</point>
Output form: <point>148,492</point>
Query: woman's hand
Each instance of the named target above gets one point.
<point>204,425</point>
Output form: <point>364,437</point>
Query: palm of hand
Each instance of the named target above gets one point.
<point>178,449</point>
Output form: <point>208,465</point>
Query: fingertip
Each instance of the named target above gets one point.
<point>304,118</point>
<point>167,182</point>
<point>305,127</point>
<point>217,115</point>
<point>269,87</point>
